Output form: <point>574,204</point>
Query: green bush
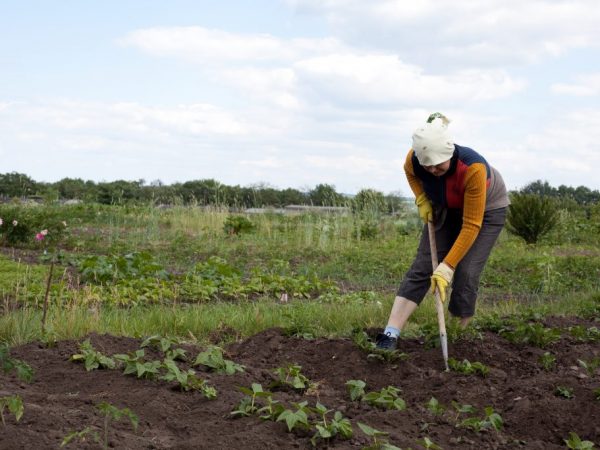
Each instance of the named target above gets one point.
<point>531,216</point>
<point>21,223</point>
<point>237,225</point>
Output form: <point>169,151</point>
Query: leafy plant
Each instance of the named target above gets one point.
<point>462,409</point>
<point>187,380</point>
<point>80,436</point>
<point>291,376</point>
<point>135,364</point>
<point>597,393</point>
<point>109,269</point>
<point>548,361</point>
<point>14,404</point>
<point>92,359</point>
<point>386,398</point>
<point>271,410</point>
<point>531,216</point>
<point>23,370</point>
<point>297,418</point>
<point>467,367</point>
<point>339,425</point>
<point>532,333</point>
<point>213,358</point>
<point>584,334</point>
<point>435,407</point>
<point>248,404</point>
<point>590,366</point>
<point>562,391</point>
<point>574,442</point>
<point>491,420</point>
<point>236,225</point>
<point>356,389</point>
<point>378,440</point>
<point>429,444</point>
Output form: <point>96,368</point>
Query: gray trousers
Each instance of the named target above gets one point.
<point>465,285</point>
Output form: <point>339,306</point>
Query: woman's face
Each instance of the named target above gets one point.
<point>439,169</point>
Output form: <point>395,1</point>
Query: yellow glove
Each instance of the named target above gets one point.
<point>425,209</point>
<point>441,279</point>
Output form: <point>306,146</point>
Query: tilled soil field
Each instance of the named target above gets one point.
<point>63,396</point>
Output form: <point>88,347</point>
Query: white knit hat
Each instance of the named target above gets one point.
<point>432,143</point>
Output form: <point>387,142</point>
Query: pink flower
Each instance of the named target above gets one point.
<point>15,223</point>
<point>39,237</point>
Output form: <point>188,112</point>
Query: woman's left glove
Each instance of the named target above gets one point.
<point>441,279</point>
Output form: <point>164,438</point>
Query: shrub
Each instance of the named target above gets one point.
<point>237,225</point>
<point>531,216</point>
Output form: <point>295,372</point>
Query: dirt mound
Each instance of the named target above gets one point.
<point>62,397</point>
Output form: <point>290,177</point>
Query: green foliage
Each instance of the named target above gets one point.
<point>165,345</point>
<point>326,430</point>
<point>563,391</point>
<point>491,420</point>
<point>583,334</point>
<point>531,216</point>
<point>23,370</point>
<point>296,419</point>
<point>533,334</point>
<point>356,389</point>
<point>109,269</point>
<point>238,225</point>
<point>378,440</point>
<point>467,367</point>
<point>291,376</point>
<point>386,398</point>
<point>81,436</point>
<point>462,409</point>
<point>574,442</point>
<point>362,341</point>
<point>548,361</point>
<point>134,364</point>
<point>14,404</point>
<point>248,405</point>
<point>590,366</point>
<point>92,359</point>
<point>597,393</point>
<point>187,380</point>
<point>213,358</point>
<point>435,407</point>
<point>429,444</point>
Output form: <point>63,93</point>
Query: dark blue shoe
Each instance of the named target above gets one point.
<point>386,342</point>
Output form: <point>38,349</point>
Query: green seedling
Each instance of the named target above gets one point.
<point>590,366</point>
<point>135,364</point>
<point>462,409</point>
<point>296,419</point>
<point>491,420</point>
<point>362,341</point>
<point>562,391</point>
<point>14,404</point>
<point>533,334</point>
<point>111,413</point>
<point>597,393</point>
<point>80,436</point>
<point>339,425</point>
<point>387,398</point>
<point>164,344</point>
<point>584,334</point>
<point>271,410</point>
<point>356,389</point>
<point>467,367</point>
<point>547,360</point>
<point>248,404</point>
<point>291,376</point>
<point>435,407</point>
<point>187,380</point>
<point>213,358</point>
<point>574,442</point>
<point>378,438</point>
<point>429,444</point>
<point>92,359</point>
<point>23,370</point>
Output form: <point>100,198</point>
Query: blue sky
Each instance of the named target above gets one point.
<point>293,93</point>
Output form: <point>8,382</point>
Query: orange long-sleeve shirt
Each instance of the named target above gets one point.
<point>473,181</point>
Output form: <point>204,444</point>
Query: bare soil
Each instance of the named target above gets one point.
<point>63,395</point>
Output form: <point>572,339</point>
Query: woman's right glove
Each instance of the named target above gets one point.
<point>425,209</point>
<point>441,279</point>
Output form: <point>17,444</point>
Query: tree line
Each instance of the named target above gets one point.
<point>196,192</point>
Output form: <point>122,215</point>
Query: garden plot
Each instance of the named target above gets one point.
<point>531,387</point>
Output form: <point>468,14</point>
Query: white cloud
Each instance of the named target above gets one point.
<point>585,86</point>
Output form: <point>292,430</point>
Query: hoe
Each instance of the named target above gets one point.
<point>438,302</point>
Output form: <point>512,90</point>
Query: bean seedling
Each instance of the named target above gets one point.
<point>378,442</point>
<point>462,409</point>
<point>429,444</point>
<point>297,418</point>
<point>213,358</point>
<point>135,364</point>
<point>291,376</point>
<point>574,442</point>
<point>387,398</point>
<point>23,370</point>
<point>339,425</point>
<point>590,366</point>
<point>548,361</point>
<point>92,359</point>
<point>187,380</point>
<point>356,389</point>
<point>492,420</point>
<point>14,404</point>
<point>468,368</point>
<point>248,405</point>
<point>562,391</point>
<point>435,407</point>
<point>597,393</point>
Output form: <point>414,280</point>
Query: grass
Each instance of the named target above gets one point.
<point>554,277</point>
